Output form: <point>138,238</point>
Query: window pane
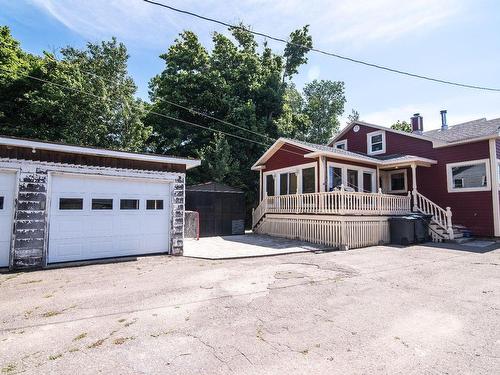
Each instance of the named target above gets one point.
<point>352,179</point>
<point>270,185</point>
<point>159,204</point>
<point>376,146</point>
<point>367,182</point>
<point>308,183</point>
<point>283,183</point>
<point>71,203</point>
<point>293,183</point>
<point>470,176</point>
<point>129,204</point>
<point>398,181</point>
<point>1,203</point>
<point>102,204</point>
<point>150,204</point>
<point>335,178</point>
<point>341,146</point>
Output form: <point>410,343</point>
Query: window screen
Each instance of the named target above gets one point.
<point>283,183</point>
<point>1,203</point>
<point>398,181</point>
<point>376,142</point>
<point>102,204</point>
<point>335,178</point>
<point>154,204</point>
<point>352,179</point>
<point>367,182</point>
<point>469,176</point>
<point>292,186</point>
<point>71,203</point>
<point>270,185</point>
<point>308,183</point>
<point>129,204</point>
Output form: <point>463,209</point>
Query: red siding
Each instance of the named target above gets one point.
<point>287,156</point>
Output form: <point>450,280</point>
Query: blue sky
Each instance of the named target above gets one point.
<point>456,40</point>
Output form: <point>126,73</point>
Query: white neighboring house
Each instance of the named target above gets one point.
<point>61,203</point>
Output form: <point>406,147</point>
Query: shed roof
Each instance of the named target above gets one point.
<point>212,187</point>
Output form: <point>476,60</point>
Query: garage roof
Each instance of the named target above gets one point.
<point>63,147</point>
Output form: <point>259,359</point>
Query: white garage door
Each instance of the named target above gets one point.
<point>7,189</point>
<point>95,217</point>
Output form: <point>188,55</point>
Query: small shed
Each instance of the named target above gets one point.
<point>221,208</point>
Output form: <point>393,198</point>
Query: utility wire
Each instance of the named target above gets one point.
<point>331,54</point>
<point>178,105</point>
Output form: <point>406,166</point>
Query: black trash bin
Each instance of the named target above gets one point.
<point>402,229</point>
<point>422,227</point>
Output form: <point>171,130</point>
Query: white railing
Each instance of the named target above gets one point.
<point>344,232</point>
<point>440,216</point>
<point>334,203</point>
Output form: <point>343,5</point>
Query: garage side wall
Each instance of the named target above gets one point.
<point>177,230</point>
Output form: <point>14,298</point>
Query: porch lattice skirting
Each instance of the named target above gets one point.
<point>336,231</point>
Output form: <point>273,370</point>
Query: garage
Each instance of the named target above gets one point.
<point>64,203</point>
<point>7,190</point>
<point>94,217</point>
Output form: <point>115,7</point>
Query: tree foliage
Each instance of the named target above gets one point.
<point>402,126</point>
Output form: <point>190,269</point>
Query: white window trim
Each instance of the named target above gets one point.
<point>341,143</point>
<point>369,137</point>
<point>498,173</point>
<point>295,168</point>
<point>449,176</point>
<point>389,176</point>
<point>360,170</point>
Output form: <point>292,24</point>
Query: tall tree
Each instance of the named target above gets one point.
<point>324,104</point>
<point>402,125</point>
<point>63,110</point>
<point>300,42</point>
<point>354,116</point>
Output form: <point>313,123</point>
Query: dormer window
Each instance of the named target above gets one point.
<point>341,144</point>
<point>376,142</point>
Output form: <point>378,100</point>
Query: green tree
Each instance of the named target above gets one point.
<point>110,117</point>
<point>218,164</point>
<point>324,104</point>
<point>402,126</point>
<point>300,42</point>
<point>354,116</point>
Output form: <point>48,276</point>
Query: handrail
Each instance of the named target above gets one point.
<point>339,202</point>
<point>440,216</point>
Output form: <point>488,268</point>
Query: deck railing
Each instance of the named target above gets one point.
<point>440,216</point>
<point>339,202</point>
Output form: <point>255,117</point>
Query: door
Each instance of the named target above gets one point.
<point>7,192</point>
<point>95,217</point>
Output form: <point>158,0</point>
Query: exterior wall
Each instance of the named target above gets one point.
<point>287,156</point>
<point>29,239</point>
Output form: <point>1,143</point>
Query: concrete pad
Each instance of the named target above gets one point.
<point>245,246</point>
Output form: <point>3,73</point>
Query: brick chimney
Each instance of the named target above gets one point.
<point>417,124</point>
<point>444,123</point>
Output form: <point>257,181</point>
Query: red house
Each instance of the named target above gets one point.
<point>342,194</point>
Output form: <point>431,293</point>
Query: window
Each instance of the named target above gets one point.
<point>468,176</point>
<point>398,182</point>
<point>71,203</point>
<point>367,182</point>
<point>154,204</point>
<point>341,144</point>
<point>308,180</point>
<point>376,142</point>
<point>1,202</point>
<point>102,204</point>
<point>288,183</point>
<point>352,179</point>
<point>129,204</point>
<point>334,178</point>
<point>270,185</point>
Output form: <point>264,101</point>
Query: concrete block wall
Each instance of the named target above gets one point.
<point>28,240</point>
<point>177,232</point>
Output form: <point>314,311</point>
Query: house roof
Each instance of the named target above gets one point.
<point>64,147</point>
<point>321,150</point>
<point>212,187</point>
<point>466,131</point>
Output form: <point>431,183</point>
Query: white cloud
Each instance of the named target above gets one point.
<point>346,21</point>
<point>313,73</point>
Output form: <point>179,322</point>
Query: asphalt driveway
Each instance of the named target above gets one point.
<point>374,310</point>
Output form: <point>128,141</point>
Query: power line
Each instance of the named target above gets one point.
<point>181,106</point>
<point>154,112</point>
<point>331,54</point>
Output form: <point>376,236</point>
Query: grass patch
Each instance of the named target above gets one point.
<point>96,344</point>
<point>48,314</point>
<point>55,356</point>
<point>80,336</point>
<point>9,368</point>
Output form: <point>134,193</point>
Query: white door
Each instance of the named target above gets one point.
<point>7,191</point>
<point>94,217</point>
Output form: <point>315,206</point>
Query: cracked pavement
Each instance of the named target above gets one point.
<point>374,310</point>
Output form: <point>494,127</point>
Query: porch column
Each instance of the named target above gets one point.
<point>261,194</point>
<point>322,174</point>
<point>414,186</point>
